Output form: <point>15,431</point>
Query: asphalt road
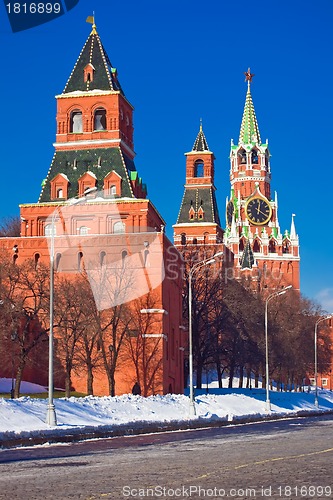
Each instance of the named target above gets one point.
<point>285,459</point>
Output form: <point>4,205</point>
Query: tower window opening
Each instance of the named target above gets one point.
<point>254,157</point>
<point>195,241</point>
<point>100,119</point>
<point>37,257</point>
<point>256,246</point>
<point>113,190</point>
<point>272,247</point>
<point>76,122</point>
<point>183,239</point>
<point>60,193</point>
<point>123,257</point>
<point>242,156</point>
<point>286,247</point>
<point>198,168</point>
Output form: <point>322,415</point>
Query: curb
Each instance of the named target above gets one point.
<point>107,431</point>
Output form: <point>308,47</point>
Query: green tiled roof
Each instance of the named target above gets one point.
<point>249,132</point>
<point>99,161</point>
<point>104,77</point>
<point>199,197</point>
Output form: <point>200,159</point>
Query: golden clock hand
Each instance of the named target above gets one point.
<point>259,211</point>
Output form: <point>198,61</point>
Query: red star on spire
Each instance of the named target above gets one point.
<point>248,75</point>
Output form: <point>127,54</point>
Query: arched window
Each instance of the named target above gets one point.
<point>113,190</point>
<point>102,257</point>
<point>60,193</point>
<point>242,156</point>
<point>75,125</point>
<point>195,241</point>
<point>286,246</point>
<point>183,239</point>
<point>83,230</point>
<point>256,246</point>
<point>50,229</point>
<point>271,246</point>
<point>123,257</point>
<point>100,119</point>
<point>119,227</point>
<point>37,257</point>
<point>198,168</point>
<point>205,236</point>
<point>254,157</point>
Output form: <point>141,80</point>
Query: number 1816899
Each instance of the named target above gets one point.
<point>33,8</point>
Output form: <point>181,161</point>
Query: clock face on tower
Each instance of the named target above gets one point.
<point>230,212</point>
<point>258,211</point>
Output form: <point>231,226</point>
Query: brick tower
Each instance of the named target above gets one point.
<point>198,220</point>
<point>252,228</point>
<point>116,222</point>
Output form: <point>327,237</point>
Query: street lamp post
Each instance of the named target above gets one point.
<point>275,294</point>
<point>197,266</point>
<point>51,418</point>
<point>316,355</point>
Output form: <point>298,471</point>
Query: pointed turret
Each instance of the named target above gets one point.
<point>247,259</point>
<point>93,69</point>
<point>198,219</point>
<point>293,234</point>
<point>94,140</point>
<point>200,143</point>
<point>249,132</point>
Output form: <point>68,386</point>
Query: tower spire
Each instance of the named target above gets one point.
<point>200,143</point>
<point>249,131</point>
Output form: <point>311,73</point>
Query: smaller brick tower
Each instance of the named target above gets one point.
<point>198,220</point>
<point>253,231</point>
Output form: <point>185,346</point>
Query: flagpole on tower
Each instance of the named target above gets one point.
<point>91,20</point>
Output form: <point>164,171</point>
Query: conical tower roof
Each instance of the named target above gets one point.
<point>104,74</point>
<point>247,259</point>
<point>200,143</point>
<point>249,132</point>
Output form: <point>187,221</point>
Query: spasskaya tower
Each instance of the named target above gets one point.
<point>252,226</point>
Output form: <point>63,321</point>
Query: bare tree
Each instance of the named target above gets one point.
<point>10,226</point>
<point>112,286</point>
<point>71,323</point>
<point>24,301</point>
<point>143,345</point>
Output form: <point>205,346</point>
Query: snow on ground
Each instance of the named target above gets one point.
<point>26,416</point>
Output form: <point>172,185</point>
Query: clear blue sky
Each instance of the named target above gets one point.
<point>179,61</point>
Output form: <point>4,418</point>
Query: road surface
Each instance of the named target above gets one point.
<point>284,459</point>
